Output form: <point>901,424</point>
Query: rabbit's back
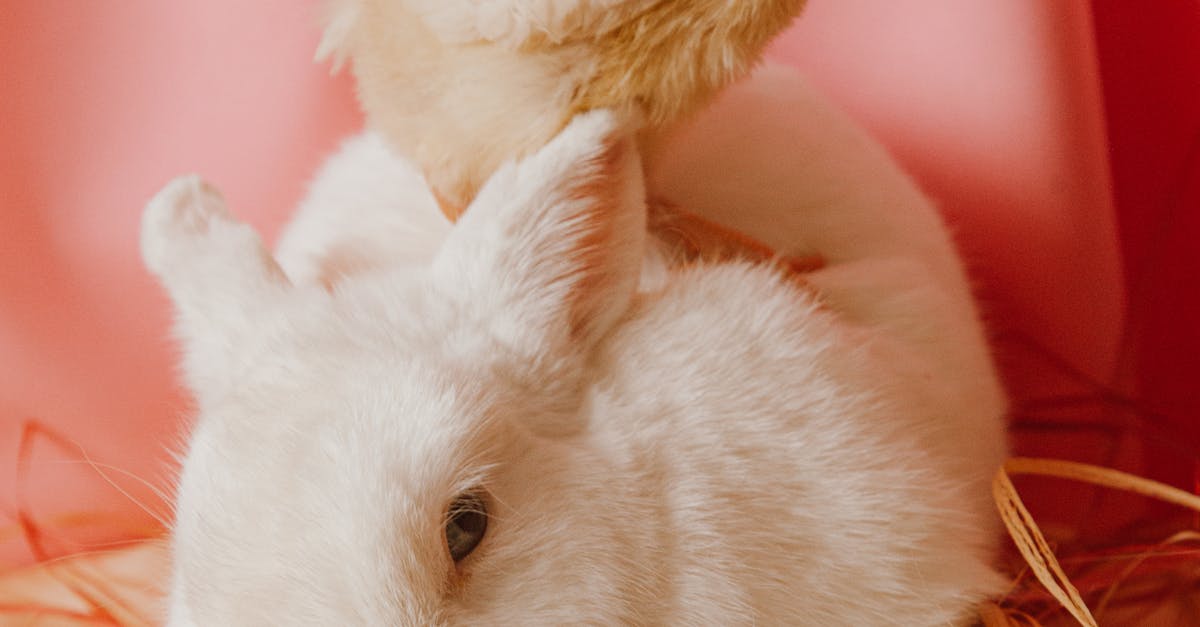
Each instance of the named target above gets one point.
<point>799,476</point>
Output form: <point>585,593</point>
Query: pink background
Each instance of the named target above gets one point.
<point>1079,226</point>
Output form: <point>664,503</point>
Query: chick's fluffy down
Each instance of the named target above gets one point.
<point>460,86</point>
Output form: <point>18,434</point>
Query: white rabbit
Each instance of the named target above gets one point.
<point>495,425</point>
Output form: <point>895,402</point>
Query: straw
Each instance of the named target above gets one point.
<point>1030,541</point>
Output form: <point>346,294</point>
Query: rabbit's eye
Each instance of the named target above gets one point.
<point>465,524</point>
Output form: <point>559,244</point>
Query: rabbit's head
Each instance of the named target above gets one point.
<point>405,449</point>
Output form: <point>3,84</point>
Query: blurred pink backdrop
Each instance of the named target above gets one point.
<point>996,106</point>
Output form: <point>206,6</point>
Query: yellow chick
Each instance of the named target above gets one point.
<point>460,86</point>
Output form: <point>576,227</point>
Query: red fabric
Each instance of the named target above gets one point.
<point>100,104</point>
<point>1150,62</point>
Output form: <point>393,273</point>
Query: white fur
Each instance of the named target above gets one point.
<point>366,208</point>
<point>722,447</point>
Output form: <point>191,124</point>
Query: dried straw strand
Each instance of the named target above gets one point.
<point>1034,548</point>
<point>1180,537</point>
<point>1106,477</point>
<point>1028,536</point>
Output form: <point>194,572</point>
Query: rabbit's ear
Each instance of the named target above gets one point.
<point>551,248</point>
<point>217,272</point>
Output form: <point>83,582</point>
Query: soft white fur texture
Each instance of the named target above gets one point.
<point>719,446</point>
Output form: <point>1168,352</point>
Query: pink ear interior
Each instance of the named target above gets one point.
<point>606,278</point>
